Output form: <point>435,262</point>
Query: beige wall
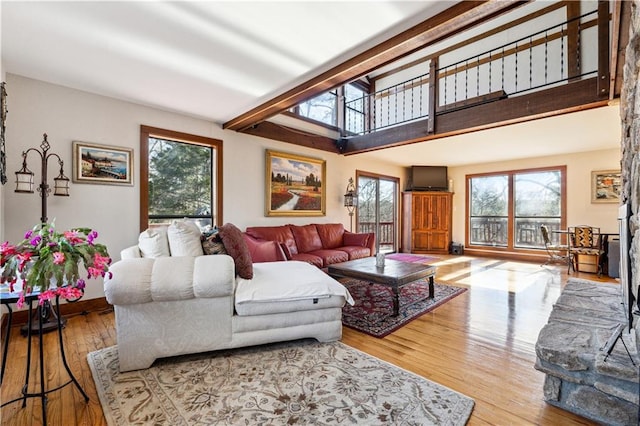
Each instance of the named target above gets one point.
<point>67,115</point>
<point>580,210</point>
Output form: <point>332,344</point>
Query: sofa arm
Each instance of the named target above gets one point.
<point>365,239</point>
<point>143,280</point>
<point>132,252</point>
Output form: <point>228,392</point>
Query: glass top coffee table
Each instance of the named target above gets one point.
<point>394,274</point>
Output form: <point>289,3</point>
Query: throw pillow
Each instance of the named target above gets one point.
<point>237,248</point>
<point>153,242</point>
<point>212,244</point>
<point>184,238</point>
<point>359,240</point>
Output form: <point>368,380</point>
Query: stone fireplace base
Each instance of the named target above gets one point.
<point>578,379</point>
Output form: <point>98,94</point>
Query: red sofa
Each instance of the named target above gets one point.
<point>318,244</point>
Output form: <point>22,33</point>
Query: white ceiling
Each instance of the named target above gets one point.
<point>210,59</point>
<point>218,59</point>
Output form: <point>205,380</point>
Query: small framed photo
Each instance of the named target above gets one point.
<point>605,186</point>
<point>93,163</point>
<point>295,185</point>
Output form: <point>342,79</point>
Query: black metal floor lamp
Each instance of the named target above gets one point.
<point>24,184</point>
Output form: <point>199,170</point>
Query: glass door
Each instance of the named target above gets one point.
<point>378,209</point>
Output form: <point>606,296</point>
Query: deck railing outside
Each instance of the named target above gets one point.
<point>386,237</point>
<point>493,231</point>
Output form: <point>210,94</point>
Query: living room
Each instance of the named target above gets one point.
<point>68,114</point>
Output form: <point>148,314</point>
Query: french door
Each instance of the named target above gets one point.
<point>378,209</point>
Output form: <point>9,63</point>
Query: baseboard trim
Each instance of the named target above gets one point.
<point>66,309</point>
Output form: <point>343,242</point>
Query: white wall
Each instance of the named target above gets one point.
<point>580,210</point>
<point>67,115</point>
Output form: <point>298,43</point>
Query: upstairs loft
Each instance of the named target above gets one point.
<point>532,61</point>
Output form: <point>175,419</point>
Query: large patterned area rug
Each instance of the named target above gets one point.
<point>372,312</point>
<point>301,382</point>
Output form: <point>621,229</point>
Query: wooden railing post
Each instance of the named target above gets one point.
<point>433,95</point>
<point>603,48</point>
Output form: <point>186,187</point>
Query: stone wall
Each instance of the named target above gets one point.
<point>630,164</point>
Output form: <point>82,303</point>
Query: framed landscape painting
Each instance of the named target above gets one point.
<point>104,164</point>
<point>295,185</point>
<point>605,186</point>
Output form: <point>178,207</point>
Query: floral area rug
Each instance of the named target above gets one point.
<point>373,311</point>
<point>301,382</point>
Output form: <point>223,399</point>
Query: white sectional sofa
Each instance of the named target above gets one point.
<point>173,305</point>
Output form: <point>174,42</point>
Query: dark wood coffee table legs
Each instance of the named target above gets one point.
<point>396,296</point>
<point>393,274</point>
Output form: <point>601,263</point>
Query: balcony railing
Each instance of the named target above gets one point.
<point>386,236</point>
<point>493,231</point>
<point>531,63</point>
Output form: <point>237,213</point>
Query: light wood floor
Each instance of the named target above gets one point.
<point>481,344</point>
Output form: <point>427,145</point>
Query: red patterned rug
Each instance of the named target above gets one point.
<point>372,313</point>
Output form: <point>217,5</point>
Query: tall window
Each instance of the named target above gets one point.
<point>378,208</point>
<point>355,109</point>
<point>181,177</point>
<point>506,209</point>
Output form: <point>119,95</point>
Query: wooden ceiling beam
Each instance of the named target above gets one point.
<point>457,18</point>
<point>278,132</point>
<point>575,96</point>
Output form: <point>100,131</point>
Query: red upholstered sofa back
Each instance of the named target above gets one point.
<point>317,243</point>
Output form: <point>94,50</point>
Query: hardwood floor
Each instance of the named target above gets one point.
<point>481,344</point>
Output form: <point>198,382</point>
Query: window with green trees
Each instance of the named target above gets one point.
<point>181,178</point>
<point>507,209</point>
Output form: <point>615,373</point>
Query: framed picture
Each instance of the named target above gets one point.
<point>295,185</point>
<point>605,186</point>
<point>104,164</point>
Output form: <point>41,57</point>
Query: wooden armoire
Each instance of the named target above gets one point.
<point>426,222</point>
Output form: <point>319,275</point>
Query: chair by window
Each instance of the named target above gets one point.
<point>558,253</point>
<point>585,249</point>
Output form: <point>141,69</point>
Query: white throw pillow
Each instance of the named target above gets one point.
<point>184,239</point>
<point>153,242</point>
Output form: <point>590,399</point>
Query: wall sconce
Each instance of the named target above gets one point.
<point>24,177</point>
<point>351,201</point>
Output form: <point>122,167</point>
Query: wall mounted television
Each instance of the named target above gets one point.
<point>429,178</point>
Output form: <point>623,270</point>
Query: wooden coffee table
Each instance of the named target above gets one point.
<point>394,274</point>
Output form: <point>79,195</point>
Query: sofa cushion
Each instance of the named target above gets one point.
<point>330,257</point>
<point>212,243</point>
<point>307,238</point>
<point>236,247</point>
<point>281,234</point>
<point>153,242</point>
<point>288,287</point>
<point>351,239</point>
<point>308,258</point>
<point>264,251</point>
<point>184,238</point>
<point>356,252</point>
<point>330,234</point>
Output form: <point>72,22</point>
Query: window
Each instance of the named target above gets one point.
<point>506,209</point>
<point>378,207</point>
<point>181,177</point>
<point>355,112</point>
<point>323,108</point>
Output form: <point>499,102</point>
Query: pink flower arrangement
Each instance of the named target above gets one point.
<point>48,261</point>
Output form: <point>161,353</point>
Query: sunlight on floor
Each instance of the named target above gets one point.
<point>510,276</point>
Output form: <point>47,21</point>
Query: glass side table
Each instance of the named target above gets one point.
<point>7,299</point>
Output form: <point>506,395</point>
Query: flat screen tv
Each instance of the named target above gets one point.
<point>429,178</point>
